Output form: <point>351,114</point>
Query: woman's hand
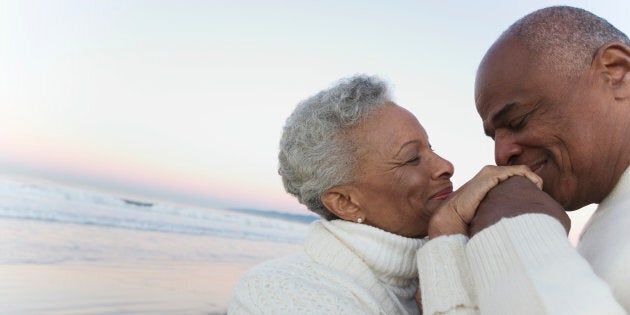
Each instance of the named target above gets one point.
<point>454,216</point>
<point>418,298</point>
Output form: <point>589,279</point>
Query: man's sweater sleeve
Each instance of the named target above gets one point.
<point>446,285</point>
<point>526,265</point>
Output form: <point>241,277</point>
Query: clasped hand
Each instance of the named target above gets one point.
<point>496,192</point>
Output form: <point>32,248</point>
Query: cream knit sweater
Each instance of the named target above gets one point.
<point>349,268</point>
<point>525,265</point>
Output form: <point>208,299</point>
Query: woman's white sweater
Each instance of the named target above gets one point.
<point>349,268</point>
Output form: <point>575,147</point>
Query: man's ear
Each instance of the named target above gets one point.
<point>341,201</point>
<point>613,60</point>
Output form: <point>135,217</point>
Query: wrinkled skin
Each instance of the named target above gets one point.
<point>397,175</point>
<point>571,132</point>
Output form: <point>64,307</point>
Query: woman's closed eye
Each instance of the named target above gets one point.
<point>414,160</point>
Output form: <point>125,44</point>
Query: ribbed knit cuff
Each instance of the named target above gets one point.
<point>529,239</point>
<point>526,265</point>
<point>445,280</point>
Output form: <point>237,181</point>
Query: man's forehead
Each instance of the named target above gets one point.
<point>507,70</point>
<point>491,71</point>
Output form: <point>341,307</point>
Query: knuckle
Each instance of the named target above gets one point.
<point>487,169</point>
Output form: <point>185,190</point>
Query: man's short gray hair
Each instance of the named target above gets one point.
<point>566,37</point>
<point>316,152</point>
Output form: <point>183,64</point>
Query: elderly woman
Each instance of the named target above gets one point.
<point>365,165</point>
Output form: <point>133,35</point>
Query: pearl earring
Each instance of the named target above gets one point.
<point>359,220</point>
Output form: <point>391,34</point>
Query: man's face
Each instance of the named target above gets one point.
<point>540,118</point>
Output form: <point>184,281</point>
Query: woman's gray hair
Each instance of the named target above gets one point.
<point>316,152</point>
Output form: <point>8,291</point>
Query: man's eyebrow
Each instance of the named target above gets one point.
<point>498,116</point>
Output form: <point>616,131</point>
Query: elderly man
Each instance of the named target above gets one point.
<point>554,93</point>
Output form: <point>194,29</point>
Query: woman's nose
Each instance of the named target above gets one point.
<point>443,168</point>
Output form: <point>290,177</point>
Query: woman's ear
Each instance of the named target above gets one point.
<point>341,201</point>
<point>613,60</point>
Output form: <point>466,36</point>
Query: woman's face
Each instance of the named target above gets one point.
<point>399,180</point>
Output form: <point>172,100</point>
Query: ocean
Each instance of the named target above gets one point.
<point>66,250</point>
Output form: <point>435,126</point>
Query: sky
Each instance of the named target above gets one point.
<point>185,100</point>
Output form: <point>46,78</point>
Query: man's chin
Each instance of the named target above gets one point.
<point>563,199</point>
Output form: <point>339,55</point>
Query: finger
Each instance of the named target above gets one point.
<point>535,179</point>
<point>506,172</point>
<point>418,298</point>
<point>523,170</point>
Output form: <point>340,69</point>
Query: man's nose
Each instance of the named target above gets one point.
<point>506,150</point>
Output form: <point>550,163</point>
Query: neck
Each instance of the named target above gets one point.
<point>621,155</point>
<point>611,150</point>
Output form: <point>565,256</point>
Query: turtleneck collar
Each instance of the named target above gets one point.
<point>382,262</point>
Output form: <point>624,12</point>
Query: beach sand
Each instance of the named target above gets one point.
<point>118,288</point>
<point>119,271</point>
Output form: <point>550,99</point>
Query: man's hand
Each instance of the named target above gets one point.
<point>515,196</point>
